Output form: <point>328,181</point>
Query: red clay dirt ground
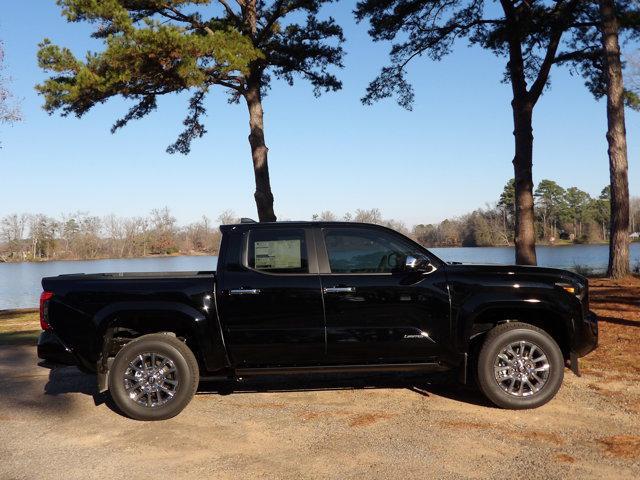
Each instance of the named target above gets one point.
<point>617,303</point>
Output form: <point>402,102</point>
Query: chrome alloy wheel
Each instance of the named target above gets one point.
<point>151,379</point>
<point>521,369</point>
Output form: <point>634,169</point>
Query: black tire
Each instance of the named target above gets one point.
<point>185,373</point>
<point>523,393</point>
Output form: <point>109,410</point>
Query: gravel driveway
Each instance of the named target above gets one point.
<point>54,425</point>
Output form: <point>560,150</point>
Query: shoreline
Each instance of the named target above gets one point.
<point>51,260</point>
<point>203,254</point>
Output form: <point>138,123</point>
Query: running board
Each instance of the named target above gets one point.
<point>386,367</point>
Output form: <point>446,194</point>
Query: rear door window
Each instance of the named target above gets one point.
<point>278,251</point>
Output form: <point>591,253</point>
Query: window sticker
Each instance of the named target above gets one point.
<point>277,254</point>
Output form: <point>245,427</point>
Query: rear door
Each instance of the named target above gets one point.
<point>377,310</point>
<point>271,299</point>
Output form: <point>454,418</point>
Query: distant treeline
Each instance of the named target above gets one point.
<point>81,236</point>
<point>562,215</point>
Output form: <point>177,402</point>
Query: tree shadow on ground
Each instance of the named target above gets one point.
<point>21,384</point>
<point>620,295</point>
<point>619,321</point>
<point>22,377</point>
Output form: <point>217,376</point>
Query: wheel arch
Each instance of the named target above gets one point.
<point>119,322</point>
<point>556,323</point>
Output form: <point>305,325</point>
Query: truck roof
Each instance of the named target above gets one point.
<point>245,225</point>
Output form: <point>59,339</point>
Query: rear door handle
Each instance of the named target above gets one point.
<point>339,290</point>
<point>244,291</point>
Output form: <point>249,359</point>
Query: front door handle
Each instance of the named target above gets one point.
<point>244,291</point>
<point>339,290</point>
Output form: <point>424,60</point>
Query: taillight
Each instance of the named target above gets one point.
<point>44,310</point>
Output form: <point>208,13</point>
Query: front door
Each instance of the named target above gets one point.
<point>377,310</point>
<point>271,301</point>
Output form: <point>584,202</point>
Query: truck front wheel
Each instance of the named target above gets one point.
<point>153,377</point>
<point>519,366</point>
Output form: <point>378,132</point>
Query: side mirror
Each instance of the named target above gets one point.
<point>421,264</point>
<point>411,263</point>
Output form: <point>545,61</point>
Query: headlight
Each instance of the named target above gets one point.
<point>573,288</point>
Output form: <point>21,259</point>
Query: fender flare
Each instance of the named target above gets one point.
<point>477,306</point>
<point>206,336</point>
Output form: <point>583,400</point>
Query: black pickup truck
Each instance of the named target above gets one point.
<point>302,297</point>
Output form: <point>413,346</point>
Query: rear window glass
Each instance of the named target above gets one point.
<point>278,251</point>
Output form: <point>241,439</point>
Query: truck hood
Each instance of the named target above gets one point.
<point>518,271</point>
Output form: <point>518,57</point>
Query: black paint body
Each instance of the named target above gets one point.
<point>404,320</point>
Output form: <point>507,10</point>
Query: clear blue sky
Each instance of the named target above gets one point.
<point>450,155</point>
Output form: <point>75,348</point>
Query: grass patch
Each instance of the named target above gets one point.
<point>583,270</point>
<point>28,337</point>
<point>19,327</point>
<point>17,312</point>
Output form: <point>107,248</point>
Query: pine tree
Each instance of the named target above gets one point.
<point>594,51</point>
<point>158,47</point>
<point>550,200</point>
<point>526,33</point>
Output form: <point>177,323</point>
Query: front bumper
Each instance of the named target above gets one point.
<point>52,350</point>
<point>586,335</point>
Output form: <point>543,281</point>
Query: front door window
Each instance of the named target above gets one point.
<point>360,250</point>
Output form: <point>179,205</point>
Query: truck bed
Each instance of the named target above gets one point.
<point>135,275</point>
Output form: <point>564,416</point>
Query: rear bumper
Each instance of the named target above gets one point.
<point>586,335</point>
<point>51,349</point>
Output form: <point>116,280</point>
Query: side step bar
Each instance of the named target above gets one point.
<point>387,367</point>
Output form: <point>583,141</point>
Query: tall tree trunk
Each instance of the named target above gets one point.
<point>525,239</point>
<point>617,139</point>
<point>263,195</point>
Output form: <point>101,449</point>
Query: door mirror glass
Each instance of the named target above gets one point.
<point>419,264</point>
<point>411,262</point>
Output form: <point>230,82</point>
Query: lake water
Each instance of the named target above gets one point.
<point>20,282</point>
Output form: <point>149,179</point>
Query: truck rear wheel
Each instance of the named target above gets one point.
<point>519,366</point>
<point>153,377</point>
